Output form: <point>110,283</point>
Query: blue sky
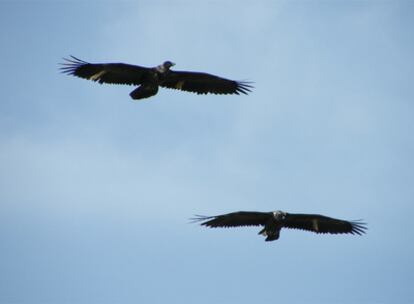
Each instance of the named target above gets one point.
<point>96,190</point>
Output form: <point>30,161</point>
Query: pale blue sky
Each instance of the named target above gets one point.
<point>96,190</point>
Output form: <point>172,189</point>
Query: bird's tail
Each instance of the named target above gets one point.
<point>270,235</point>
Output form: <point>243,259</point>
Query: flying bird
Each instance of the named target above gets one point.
<point>274,221</point>
<point>149,80</point>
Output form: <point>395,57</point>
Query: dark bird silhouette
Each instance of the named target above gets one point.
<point>149,79</point>
<point>274,221</point>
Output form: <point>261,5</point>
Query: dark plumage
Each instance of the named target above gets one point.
<point>274,221</point>
<point>149,79</point>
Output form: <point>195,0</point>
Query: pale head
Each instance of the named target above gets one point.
<point>279,215</point>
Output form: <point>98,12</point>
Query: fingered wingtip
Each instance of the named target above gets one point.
<point>244,87</point>
<point>359,227</point>
<point>70,64</point>
<point>200,218</point>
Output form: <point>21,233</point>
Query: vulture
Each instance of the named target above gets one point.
<point>274,221</point>
<point>149,80</point>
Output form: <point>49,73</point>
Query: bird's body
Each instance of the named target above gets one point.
<point>273,222</point>
<point>149,80</point>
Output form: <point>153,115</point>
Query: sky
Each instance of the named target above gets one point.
<point>96,190</point>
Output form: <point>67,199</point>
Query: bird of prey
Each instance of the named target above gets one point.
<point>274,221</point>
<point>149,79</point>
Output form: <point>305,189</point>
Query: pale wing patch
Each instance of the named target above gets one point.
<point>96,76</point>
<point>179,85</point>
<point>315,225</point>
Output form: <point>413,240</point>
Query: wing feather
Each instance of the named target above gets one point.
<point>323,224</point>
<point>203,83</point>
<point>234,219</point>
<point>114,73</point>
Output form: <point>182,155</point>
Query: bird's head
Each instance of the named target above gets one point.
<point>167,64</point>
<point>162,68</point>
<point>279,215</point>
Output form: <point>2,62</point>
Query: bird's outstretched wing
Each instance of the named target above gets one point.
<point>234,219</point>
<point>203,83</point>
<point>323,224</point>
<point>114,73</point>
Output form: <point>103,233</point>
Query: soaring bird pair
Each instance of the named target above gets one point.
<point>149,80</point>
